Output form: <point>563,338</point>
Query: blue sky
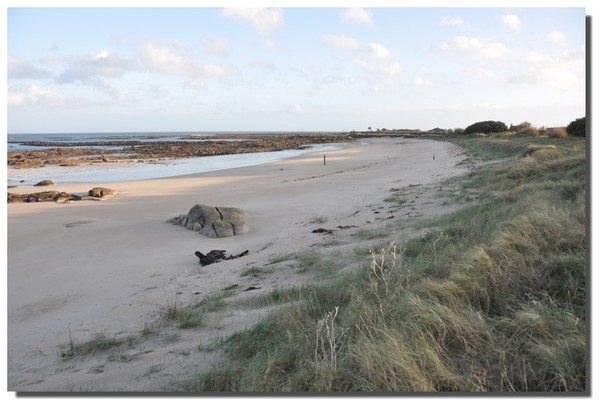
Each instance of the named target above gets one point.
<point>291,69</point>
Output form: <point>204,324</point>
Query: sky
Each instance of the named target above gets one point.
<point>292,68</point>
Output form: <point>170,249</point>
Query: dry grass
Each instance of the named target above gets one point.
<point>491,298</point>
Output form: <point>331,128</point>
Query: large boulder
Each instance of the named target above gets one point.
<point>213,222</point>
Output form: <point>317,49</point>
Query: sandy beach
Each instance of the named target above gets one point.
<point>108,266</point>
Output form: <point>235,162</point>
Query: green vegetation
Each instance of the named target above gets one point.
<point>99,342</point>
<point>486,127</point>
<point>576,128</point>
<point>489,298</point>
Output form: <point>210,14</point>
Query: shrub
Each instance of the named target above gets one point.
<point>576,128</point>
<point>559,132</point>
<point>486,127</point>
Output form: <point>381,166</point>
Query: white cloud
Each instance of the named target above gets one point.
<point>342,41</point>
<point>422,81</point>
<point>451,21</point>
<point>33,96</point>
<point>197,84</point>
<point>169,59</point>
<point>358,15</point>
<point>165,60</point>
<point>482,73</point>
<point>512,21</point>
<point>263,20</point>
<point>296,109</point>
<point>20,69</point>
<point>548,77</point>
<point>270,44</point>
<point>213,70</point>
<point>378,51</point>
<point>394,70</point>
<point>536,57</point>
<point>218,45</point>
<point>556,36</point>
<point>476,47</point>
<point>101,64</point>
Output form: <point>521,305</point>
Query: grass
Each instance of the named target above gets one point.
<point>489,298</point>
<point>98,343</point>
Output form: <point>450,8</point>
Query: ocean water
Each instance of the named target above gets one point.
<point>136,171</point>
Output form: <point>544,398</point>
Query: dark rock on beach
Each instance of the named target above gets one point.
<point>216,256</point>
<point>60,197</point>
<point>46,182</point>
<point>102,192</point>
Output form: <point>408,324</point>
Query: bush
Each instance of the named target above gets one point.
<point>558,132</point>
<point>576,128</point>
<point>486,127</point>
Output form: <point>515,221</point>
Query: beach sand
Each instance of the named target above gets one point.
<point>89,267</point>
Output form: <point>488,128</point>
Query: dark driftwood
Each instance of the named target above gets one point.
<point>216,256</point>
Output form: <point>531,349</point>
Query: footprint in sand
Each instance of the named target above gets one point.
<point>78,223</point>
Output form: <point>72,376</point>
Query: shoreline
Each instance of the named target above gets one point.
<point>108,266</point>
<point>126,170</point>
<point>76,153</point>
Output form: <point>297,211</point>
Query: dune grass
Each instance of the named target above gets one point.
<point>490,298</point>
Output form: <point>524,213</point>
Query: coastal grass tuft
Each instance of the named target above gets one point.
<point>98,343</point>
<point>489,298</point>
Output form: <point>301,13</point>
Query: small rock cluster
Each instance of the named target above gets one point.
<point>59,197</point>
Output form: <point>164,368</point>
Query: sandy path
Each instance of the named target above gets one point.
<point>89,266</point>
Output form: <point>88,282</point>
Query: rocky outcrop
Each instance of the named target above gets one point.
<point>99,153</point>
<point>46,196</point>
<point>60,197</point>
<point>213,222</point>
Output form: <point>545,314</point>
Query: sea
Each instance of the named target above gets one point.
<point>138,171</point>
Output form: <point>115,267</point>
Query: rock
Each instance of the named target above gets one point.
<point>46,182</point>
<point>216,256</point>
<point>46,196</point>
<point>213,222</point>
<point>102,192</point>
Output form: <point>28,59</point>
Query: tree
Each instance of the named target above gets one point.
<point>576,128</point>
<point>486,127</point>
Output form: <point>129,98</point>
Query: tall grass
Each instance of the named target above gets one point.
<point>490,298</point>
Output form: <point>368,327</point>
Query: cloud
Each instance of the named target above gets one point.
<point>33,96</point>
<point>340,41</point>
<point>548,77</point>
<point>197,84</point>
<point>270,44</point>
<point>218,45</point>
<point>20,69</point>
<point>378,51</point>
<point>422,81</point>
<point>170,58</point>
<point>101,64</point>
<point>296,109</point>
<point>263,20</point>
<point>512,21</point>
<point>556,36</point>
<point>564,71</point>
<point>358,15</point>
<point>482,73</point>
<point>166,60</point>
<point>457,21</point>
<point>475,47</point>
